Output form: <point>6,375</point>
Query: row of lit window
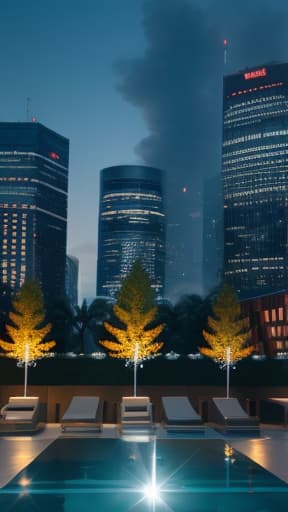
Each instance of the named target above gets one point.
<point>255,89</point>
<point>129,195</point>
<point>13,178</point>
<point>253,260</point>
<point>240,204</point>
<point>261,164</point>
<point>236,110</point>
<point>30,154</point>
<point>280,345</point>
<point>236,271</point>
<point>254,148</point>
<point>264,174</point>
<point>254,136</point>
<point>280,331</point>
<point>258,156</point>
<point>251,117</point>
<point>131,212</point>
<point>256,100</point>
<point>275,315</point>
<point>256,191</point>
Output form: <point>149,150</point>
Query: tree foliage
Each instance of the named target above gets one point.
<point>227,329</point>
<point>27,327</point>
<point>136,310</point>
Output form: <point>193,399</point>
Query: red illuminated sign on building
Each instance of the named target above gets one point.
<point>255,74</point>
<point>53,155</point>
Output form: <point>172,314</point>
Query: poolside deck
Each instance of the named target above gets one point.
<point>269,449</point>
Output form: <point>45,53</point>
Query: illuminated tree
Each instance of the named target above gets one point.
<point>136,311</point>
<point>27,328</point>
<point>228,335</point>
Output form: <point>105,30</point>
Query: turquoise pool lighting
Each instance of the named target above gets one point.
<point>164,475</point>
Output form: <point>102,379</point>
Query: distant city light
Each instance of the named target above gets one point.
<point>54,155</point>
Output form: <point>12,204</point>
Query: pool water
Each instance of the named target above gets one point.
<point>172,475</point>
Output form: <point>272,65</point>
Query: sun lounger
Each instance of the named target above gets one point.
<point>136,413</point>
<point>83,413</point>
<point>179,415</point>
<point>20,414</point>
<point>228,414</point>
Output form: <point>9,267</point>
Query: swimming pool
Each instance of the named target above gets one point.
<point>180,475</point>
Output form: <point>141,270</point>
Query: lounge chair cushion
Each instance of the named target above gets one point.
<point>82,408</point>
<point>178,409</point>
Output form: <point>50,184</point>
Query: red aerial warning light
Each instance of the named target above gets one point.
<point>54,156</point>
<point>33,119</point>
<point>225,42</point>
<point>184,189</point>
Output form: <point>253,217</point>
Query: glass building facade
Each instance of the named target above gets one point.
<point>33,206</point>
<point>131,226</point>
<point>71,283</point>
<point>255,179</point>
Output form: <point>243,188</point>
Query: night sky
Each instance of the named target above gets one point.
<point>133,81</point>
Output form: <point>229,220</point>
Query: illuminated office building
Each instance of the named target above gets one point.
<point>33,206</point>
<point>131,226</point>
<point>254,175</point>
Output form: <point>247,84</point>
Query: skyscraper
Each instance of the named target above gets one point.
<point>71,283</point>
<point>33,206</point>
<point>131,225</point>
<point>255,179</point>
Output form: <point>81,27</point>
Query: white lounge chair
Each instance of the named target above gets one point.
<point>20,414</point>
<point>136,413</point>
<point>179,415</point>
<point>228,414</point>
<point>83,413</point>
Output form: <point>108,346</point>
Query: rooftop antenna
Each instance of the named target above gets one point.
<point>225,47</point>
<point>28,103</point>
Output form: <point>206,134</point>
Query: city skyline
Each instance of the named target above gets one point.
<point>110,76</point>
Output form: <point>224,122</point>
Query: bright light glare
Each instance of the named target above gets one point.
<point>152,493</point>
<point>24,481</point>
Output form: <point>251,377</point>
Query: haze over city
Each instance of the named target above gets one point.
<point>137,81</point>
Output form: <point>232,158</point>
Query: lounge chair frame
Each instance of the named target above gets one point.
<point>20,414</point>
<point>83,413</point>
<point>179,415</point>
<point>229,416</point>
<point>135,414</point>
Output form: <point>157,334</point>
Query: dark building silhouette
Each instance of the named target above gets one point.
<point>255,174</point>
<point>131,226</point>
<point>212,233</point>
<point>33,206</point>
<point>71,283</point>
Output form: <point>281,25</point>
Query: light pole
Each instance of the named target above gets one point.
<point>135,368</point>
<point>228,362</point>
<point>26,362</point>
